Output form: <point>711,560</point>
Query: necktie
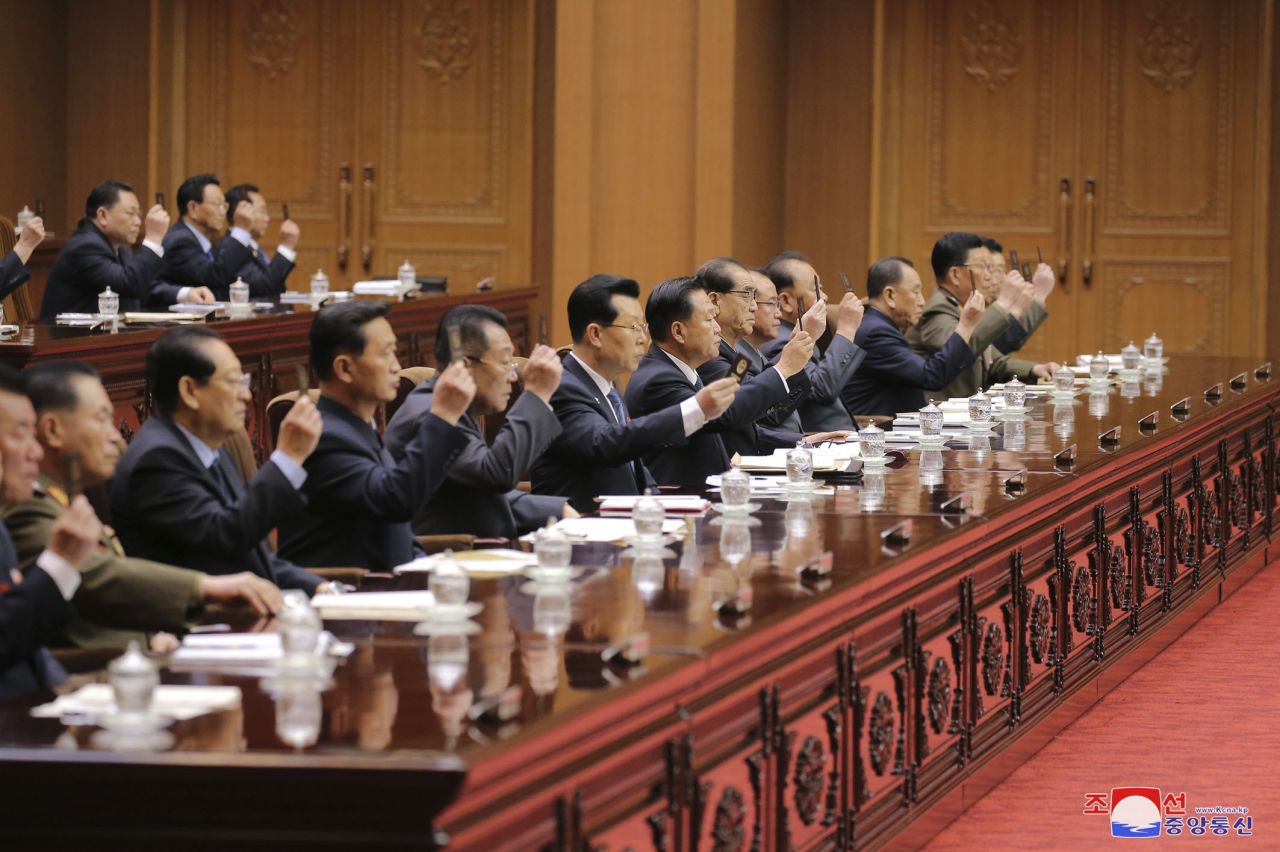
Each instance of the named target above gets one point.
<point>619,407</point>
<point>209,254</point>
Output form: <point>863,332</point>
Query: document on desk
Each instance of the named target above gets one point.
<point>607,529</point>
<point>238,649</point>
<point>679,504</point>
<point>494,562</point>
<point>375,606</point>
<point>177,702</point>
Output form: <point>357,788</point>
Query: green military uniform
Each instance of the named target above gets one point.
<point>938,323</point>
<point>115,591</point>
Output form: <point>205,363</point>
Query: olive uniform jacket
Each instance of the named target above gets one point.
<point>118,596</point>
<point>998,334</point>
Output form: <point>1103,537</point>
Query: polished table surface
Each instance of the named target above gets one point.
<point>411,702</point>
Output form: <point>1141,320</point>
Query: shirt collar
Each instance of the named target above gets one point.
<point>205,245</point>
<point>600,381</point>
<point>689,373</point>
<point>206,455</point>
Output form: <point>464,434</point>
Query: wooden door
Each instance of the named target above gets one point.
<point>445,147</point>
<point>1168,202</point>
<point>979,99</point>
<point>270,95</point>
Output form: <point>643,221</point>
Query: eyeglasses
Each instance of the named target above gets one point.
<point>748,294</point>
<point>981,267</point>
<point>240,382</point>
<point>638,330</point>
<point>767,303</point>
<point>508,368</point>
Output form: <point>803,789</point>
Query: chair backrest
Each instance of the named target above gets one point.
<point>241,450</point>
<point>410,378</point>
<point>17,305</point>
<point>279,407</point>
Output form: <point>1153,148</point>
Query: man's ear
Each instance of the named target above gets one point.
<point>187,392</point>
<point>889,295</point>
<point>679,333</point>
<point>344,369</point>
<point>592,335</point>
<point>49,431</point>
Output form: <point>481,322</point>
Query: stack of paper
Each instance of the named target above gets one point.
<point>158,317</point>
<point>240,649</point>
<point>96,700</point>
<point>193,308</point>
<point>375,606</point>
<point>822,459</point>
<point>676,504</point>
<point>77,320</point>
<point>383,288</point>
<point>494,562</point>
<point>606,529</point>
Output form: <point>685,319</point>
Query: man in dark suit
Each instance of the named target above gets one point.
<point>599,450</point>
<point>479,496</point>
<point>99,255</point>
<point>795,282</point>
<point>35,607</point>
<point>118,595</point>
<point>360,500</point>
<point>893,378</point>
<point>13,266</point>
<point>682,322</point>
<point>189,258</point>
<point>732,291</point>
<point>265,277</point>
<point>177,496</point>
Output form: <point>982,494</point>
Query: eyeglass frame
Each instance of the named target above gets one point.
<point>638,330</point>
<point>510,368</point>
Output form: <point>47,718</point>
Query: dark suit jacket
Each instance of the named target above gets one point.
<point>822,409</point>
<point>594,454</point>
<point>186,264</point>
<point>13,273</point>
<point>88,264</point>
<point>893,378</point>
<point>167,507</point>
<point>479,496</point>
<point>770,428</point>
<point>265,277</point>
<point>658,384</point>
<point>360,500</point>
<point>30,613</point>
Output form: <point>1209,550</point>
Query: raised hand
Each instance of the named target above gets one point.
<point>849,315</point>
<point>156,224</point>
<point>1042,282</point>
<point>795,354</point>
<point>75,532</point>
<point>714,399</point>
<point>32,235</point>
<point>814,320</point>
<point>453,392</point>
<point>542,373</point>
<point>300,430</point>
<point>289,234</point>
<point>970,315</point>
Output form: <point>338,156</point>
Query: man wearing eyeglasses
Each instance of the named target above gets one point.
<point>479,495</point>
<point>177,496</point>
<point>963,264</point>
<point>190,258</point>
<point>599,452</point>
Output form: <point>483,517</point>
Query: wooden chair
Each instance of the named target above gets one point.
<point>279,407</point>
<point>410,378</point>
<point>241,450</point>
<point>17,305</point>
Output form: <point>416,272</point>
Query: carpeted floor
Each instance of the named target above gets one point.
<point>1202,717</point>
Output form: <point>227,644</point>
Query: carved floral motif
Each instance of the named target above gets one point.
<point>1152,560</point>
<point>1117,574</point>
<point>808,779</point>
<point>447,38</point>
<point>728,833</point>
<point>990,47</point>
<point>1039,625</point>
<point>1081,601</point>
<point>1183,546</point>
<point>992,658</point>
<point>1169,45</point>
<point>939,692</point>
<point>1236,502</point>
<point>880,732</point>
<point>272,36</point>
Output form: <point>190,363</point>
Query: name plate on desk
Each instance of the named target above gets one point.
<point>1239,382</point>
<point>1149,424</point>
<point>1262,372</point>
<point>1065,457</point>
<point>1181,409</point>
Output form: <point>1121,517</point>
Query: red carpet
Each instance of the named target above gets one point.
<point>1202,717</point>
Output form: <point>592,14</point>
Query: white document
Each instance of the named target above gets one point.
<point>494,562</point>
<point>375,606</point>
<point>174,701</point>
<point>242,648</point>
<point>624,503</point>
<point>607,529</point>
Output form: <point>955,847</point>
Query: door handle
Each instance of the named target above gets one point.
<point>1090,203</point>
<point>344,214</point>
<point>366,251</point>
<point>1064,220</point>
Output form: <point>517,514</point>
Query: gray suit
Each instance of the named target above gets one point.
<point>479,496</point>
<point>822,410</point>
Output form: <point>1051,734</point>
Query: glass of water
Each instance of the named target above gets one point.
<point>735,490</point>
<point>799,468</point>
<point>980,410</point>
<point>1015,394</point>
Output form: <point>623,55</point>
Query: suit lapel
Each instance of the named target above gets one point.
<point>601,405</point>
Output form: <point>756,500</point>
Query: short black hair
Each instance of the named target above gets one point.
<point>471,321</point>
<point>669,302</point>
<point>105,194</point>
<point>12,380</point>
<point>885,272</point>
<point>592,301</point>
<point>778,271</point>
<point>993,245</point>
<point>50,384</point>
<point>338,329</point>
<point>236,194</point>
<point>952,249</point>
<point>175,354</point>
<point>192,189</point>
<point>717,274</point>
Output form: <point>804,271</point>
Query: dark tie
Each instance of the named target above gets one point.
<point>209,254</point>
<point>619,407</point>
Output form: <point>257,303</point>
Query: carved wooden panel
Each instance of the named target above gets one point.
<point>1168,77</point>
<point>991,121</point>
<point>1185,298</point>
<point>446,86</point>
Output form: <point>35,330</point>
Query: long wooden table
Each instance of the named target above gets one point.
<point>859,709</point>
